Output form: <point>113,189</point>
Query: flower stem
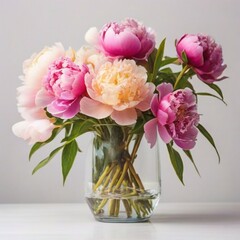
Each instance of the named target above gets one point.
<point>127,207</point>
<point>119,182</point>
<point>105,173</point>
<point>125,168</point>
<point>180,75</point>
<point>101,205</point>
<point>115,177</point>
<point>136,146</point>
<point>136,177</point>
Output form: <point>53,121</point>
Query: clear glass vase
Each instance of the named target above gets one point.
<point>123,180</point>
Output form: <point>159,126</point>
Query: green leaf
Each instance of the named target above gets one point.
<point>79,128</point>
<point>47,159</point>
<point>166,75</point>
<point>216,88</point>
<point>207,135</point>
<point>38,145</point>
<point>211,95</point>
<point>168,61</point>
<point>184,57</point>
<point>184,82</point>
<point>67,129</point>
<point>138,128</point>
<point>151,59</point>
<point>158,59</point>
<point>176,161</point>
<point>68,156</point>
<point>188,153</point>
<point>150,77</point>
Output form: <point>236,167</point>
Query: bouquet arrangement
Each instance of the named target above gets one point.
<point>120,79</point>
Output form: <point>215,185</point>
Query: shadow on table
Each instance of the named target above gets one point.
<point>208,218</point>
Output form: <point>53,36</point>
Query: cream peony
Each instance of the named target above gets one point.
<point>117,89</point>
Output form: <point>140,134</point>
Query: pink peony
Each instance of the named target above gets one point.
<point>117,89</point>
<point>204,56</point>
<point>176,117</point>
<point>36,126</point>
<point>129,39</point>
<point>63,88</point>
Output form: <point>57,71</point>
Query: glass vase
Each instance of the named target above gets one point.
<point>123,180</point>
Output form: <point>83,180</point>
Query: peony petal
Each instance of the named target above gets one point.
<point>147,46</point>
<point>91,36</point>
<point>162,117</point>
<point>185,144</point>
<point>154,104</point>
<point>43,98</point>
<point>190,44</point>
<point>31,114</point>
<point>64,109</point>
<point>146,103</point>
<point>164,89</point>
<point>188,139</point>
<point>94,109</point>
<point>41,130</point>
<point>33,131</point>
<point>123,44</point>
<point>125,117</point>
<point>72,110</point>
<point>164,134</point>
<point>150,129</point>
<point>20,129</point>
<point>26,96</point>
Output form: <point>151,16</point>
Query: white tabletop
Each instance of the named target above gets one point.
<point>74,221</point>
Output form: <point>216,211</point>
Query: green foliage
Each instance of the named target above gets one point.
<point>156,63</point>
<point>79,127</point>
<point>176,161</point>
<point>159,57</point>
<point>207,135</point>
<point>73,129</point>
<point>68,156</point>
<point>47,159</point>
<point>216,89</point>
<point>138,128</point>
<point>189,154</point>
<point>184,57</point>
<point>184,82</point>
<point>38,145</point>
<point>211,95</point>
<point>167,61</point>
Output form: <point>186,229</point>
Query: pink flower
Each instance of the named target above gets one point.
<point>63,88</point>
<point>36,126</point>
<point>204,56</point>
<point>129,39</point>
<point>118,89</point>
<point>176,117</point>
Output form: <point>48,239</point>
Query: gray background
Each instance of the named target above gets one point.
<point>26,26</point>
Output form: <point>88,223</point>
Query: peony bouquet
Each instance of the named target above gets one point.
<point>123,80</point>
